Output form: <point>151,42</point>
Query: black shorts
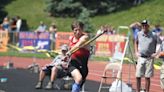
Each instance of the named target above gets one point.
<point>60,73</point>
<point>82,68</point>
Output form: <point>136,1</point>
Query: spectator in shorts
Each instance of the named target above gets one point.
<point>161,55</point>
<point>145,49</point>
<point>53,30</point>
<point>162,77</point>
<point>54,69</point>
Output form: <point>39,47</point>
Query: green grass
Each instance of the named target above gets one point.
<point>20,54</point>
<point>151,10</point>
<point>33,12</point>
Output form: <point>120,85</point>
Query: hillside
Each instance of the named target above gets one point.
<point>33,12</point>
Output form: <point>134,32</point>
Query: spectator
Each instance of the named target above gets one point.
<point>145,49</point>
<point>100,30</point>
<point>13,24</point>
<point>6,24</point>
<point>54,69</point>
<point>157,30</point>
<point>110,31</point>
<point>135,27</point>
<point>161,55</point>
<point>41,28</point>
<point>52,30</point>
<point>1,29</point>
<point>18,24</point>
<point>13,33</point>
<point>18,27</point>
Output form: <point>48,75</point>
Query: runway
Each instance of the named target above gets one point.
<point>22,80</point>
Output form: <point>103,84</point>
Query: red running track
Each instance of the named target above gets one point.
<point>95,70</point>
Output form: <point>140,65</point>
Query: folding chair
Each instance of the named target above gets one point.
<point>115,65</point>
<point>65,83</point>
<point>110,67</point>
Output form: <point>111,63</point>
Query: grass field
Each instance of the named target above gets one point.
<point>33,12</point>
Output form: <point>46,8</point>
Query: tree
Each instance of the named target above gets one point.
<point>72,8</point>
<point>63,8</point>
<point>84,18</point>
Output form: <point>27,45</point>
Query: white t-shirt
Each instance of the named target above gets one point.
<point>18,25</point>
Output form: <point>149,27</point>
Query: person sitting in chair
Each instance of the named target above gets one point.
<point>54,69</point>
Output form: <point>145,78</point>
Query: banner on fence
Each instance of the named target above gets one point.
<point>37,40</point>
<point>106,45</point>
<point>3,41</point>
<point>62,38</point>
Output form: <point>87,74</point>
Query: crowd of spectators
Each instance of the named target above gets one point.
<point>14,26</point>
<point>11,24</point>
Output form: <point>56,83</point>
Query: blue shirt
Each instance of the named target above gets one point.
<point>135,31</point>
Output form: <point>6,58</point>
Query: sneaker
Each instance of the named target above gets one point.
<point>39,85</point>
<point>68,86</point>
<point>49,85</point>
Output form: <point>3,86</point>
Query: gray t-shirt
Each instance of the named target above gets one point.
<point>162,46</point>
<point>147,43</point>
<point>58,60</point>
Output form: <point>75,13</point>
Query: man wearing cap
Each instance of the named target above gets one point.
<point>145,49</point>
<point>54,69</point>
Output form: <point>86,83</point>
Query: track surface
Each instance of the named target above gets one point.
<point>22,80</point>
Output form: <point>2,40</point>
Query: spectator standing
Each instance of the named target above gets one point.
<point>6,24</point>
<point>157,30</point>
<point>13,24</point>
<point>111,30</point>
<point>18,27</point>
<point>145,49</point>
<point>41,28</point>
<point>1,29</point>
<point>18,24</point>
<point>135,27</point>
<point>52,30</point>
<point>100,30</point>
<point>161,55</point>
<point>13,33</point>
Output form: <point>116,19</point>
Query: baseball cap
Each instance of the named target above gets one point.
<point>145,22</point>
<point>64,47</point>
